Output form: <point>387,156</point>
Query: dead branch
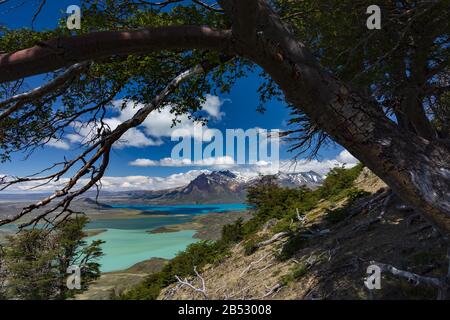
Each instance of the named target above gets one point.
<point>276,237</point>
<point>301,219</point>
<point>415,279</point>
<point>186,283</point>
<point>38,11</point>
<point>272,290</point>
<point>367,224</point>
<point>254,263</point>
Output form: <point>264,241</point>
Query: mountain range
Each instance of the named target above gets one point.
<point>222,187</point>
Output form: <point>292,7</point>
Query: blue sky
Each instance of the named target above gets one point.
<point>235,110</point>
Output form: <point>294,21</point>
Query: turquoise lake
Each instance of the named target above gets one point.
<point>127,241</point>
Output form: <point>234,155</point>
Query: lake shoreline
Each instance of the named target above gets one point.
<point>139,232</point>
<point>207,226</point>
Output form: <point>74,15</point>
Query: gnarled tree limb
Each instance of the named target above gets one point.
<point>63,51</point>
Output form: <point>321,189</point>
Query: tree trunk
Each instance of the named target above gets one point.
<point>418,170</point>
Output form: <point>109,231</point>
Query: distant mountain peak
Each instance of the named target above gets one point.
<point>225,186</point>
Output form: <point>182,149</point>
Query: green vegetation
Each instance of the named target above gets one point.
<point>196,255</point>
<point>34,263</point>
<point>273,202</point>
<point>295,274</point>
<point>294,243</point>
<point>233,232</point>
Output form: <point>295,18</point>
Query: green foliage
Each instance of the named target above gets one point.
<point>274,202</point>
<point>35,262</point>
<point>295,274</point>
<point>294,243</point>
<point>233,232</point>
<point>271,201</point>
<point>196,255</point>
<point>138,78</point>
<point>250,247</point>
<point>373,62</point>
<point>337,215</point>
<point>284,225</point>
<point>338,180</point>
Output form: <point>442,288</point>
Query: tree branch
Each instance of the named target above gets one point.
<point>63,51</point>
<point>23,98</point>
<point>186,283</point>
<point>414,278</point>
<point>104,145</point>
<point>244,15</point>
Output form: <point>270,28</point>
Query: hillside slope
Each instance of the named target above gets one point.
<point>328,254</point>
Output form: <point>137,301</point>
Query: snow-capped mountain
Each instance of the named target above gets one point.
<point>310,179</point>
<point>228,186</point>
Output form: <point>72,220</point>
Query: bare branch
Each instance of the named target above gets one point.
<point>23,98</point>
<point>414,278</point>
<point>186,283</point>
<point>276,237</point>
<point>273,290</point>
<point>104,145</point>
<point>207,6</point>
<point>38,11</point>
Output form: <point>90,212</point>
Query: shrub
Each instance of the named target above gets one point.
<point>338,180</point>
<point>234,232</point>
<point>196,255</point>
<point>336,215</point>
<point>295,243</point>
<point>250,247</point>
<point>296,273</point>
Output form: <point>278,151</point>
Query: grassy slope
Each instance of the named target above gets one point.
<point>332,266</point>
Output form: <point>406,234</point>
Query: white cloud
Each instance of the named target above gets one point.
<point>180,179</point>
<point>59,144</point>
<point>346,157</point>
<point>157,125</point>
<point>118,183</point>
<point>218,162</point>
<point>212,106</point>
<point>132,138</point>
<point>143,163</point>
